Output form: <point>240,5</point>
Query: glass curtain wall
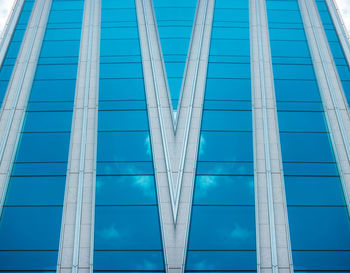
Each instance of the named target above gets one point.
<point>14,47</point>
<point>222,229</point>
<point>127,227</point>
<point>31,218</point>
<point>318,217</point>
<point>341,64</point>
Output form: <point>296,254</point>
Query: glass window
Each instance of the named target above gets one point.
<point>42,168</point>
<point>31,228</point>
<point>47,121</point>
<point>227,120</point>
<point>302,121</point>
<point>30,260</point>
<point>306,147</point>
<point>60,49</point>
<point>226,146</point>
<point>321,260</point>
<point>125,190</point>
<point>124,168</point>
<point>332,232</point>
<point>225,168</point>
<point>54,72</point>
<point>291,90</point>
<point>120,47</point>
<point>124,146</point>
<point>223,227</point>
<point>224,190</point>
<point>41,147</point>
<point>229,70</point>
<point>128,260</point>
<point>120,70</point>
<point>52,90</point>
<point>228,89</point>
<point>121,89</point>
<point>42,190</point>
<point>122,120</point>
<point>221,260</point>
<point>314,191</point>
<point>292,71</point>
<point>127,228</point>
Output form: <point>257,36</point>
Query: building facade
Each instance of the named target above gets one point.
<point>175,136</point>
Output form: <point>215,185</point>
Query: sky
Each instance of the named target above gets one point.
<point>6,6</point>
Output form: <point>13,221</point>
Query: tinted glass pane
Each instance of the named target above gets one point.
<point>31,228</point>
<point>127,228</point>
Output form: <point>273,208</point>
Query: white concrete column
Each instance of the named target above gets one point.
<point>334,103</point>
<point>174,145</point>
<point>14,106</point>
<point>189,125</point>
<point>76,242</point>
<point>273,242</point>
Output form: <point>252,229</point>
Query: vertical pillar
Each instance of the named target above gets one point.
<point>76,242</point>
<point>273,242</point>
<point>175,147</point>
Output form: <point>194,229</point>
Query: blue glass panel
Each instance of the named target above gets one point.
<point>127,228</point>
<point>124,168</point>
<point>47,121</point>
<point>221,260</point>
<point>120,70</point>
<point>228,89</point>
<point>36,191</point>
<point>30,260</point>
<point>52,90</point>
<point>227,120</point>
<point>223,227</point>
<point>59,49</point>
<point>121,89</point>
<point>122,120</point>
<point>124,146</point>
<point>308,168</point>
<point>107,4</point>
<point>291,90</point>
<point>332,234</point>
<point>225,168</point>
<point>306,147</point>
<point>41,147</point>
<point>125,190</point>
<point>128,260</point>
<point>42,168</point>
<point>224,190</point>
<point>228,146</point>
<point>54,72</point>
<point>321,260</point>
<point>120,47</point>
<point>31,228</point>
<point>314,191</point>
<point>292,71</point>
<point>229,70</point>
<point>302,121</point>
